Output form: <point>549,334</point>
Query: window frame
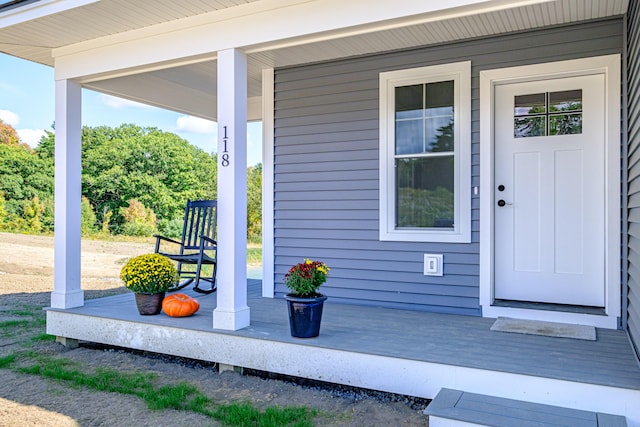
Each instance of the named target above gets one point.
<point>460,73</point>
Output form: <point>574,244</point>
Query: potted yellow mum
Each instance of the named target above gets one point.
<point>305,302</point>
<point>149,276</point>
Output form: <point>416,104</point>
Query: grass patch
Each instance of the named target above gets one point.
<point>43,338</point>
<point>12,327</point>
<point>7,361</point>
<point>181,396</point>
<point>25,311</point>
<point>254,254</point>
<point>8,324</point>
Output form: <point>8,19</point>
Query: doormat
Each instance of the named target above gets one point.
<point>547,329</point>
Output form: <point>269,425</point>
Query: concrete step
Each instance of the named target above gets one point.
<point>462,409</point>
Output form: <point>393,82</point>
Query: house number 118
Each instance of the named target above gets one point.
<point>225,152</point>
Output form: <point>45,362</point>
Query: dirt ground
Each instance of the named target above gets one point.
<point>26,279</point>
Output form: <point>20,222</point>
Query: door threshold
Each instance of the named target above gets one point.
<point>582,309</point>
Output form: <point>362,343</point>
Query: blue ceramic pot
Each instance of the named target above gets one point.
<point>305,315</point>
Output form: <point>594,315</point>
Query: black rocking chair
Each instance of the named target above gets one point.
<point>197,246</point>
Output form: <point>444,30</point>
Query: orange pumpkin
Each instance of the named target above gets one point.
<point>180,305</point>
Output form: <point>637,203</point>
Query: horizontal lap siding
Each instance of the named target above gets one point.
<point>327,169</point>
<point>633,315</point>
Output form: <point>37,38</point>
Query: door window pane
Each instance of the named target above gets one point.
<point>568,100</point>
<point>530,104</point>
<point>565,124</point>
<point>425,196</point>
<point>529,126</point>
<point>551,113</point>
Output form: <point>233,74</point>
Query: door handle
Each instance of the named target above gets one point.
<point>502,203</point>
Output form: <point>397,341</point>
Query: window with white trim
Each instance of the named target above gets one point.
<point>425,154</point>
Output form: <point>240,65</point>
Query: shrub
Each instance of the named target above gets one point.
<point>149,273</point>
<point>138,220</point>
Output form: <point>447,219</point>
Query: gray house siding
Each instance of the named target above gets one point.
<point>327,169</point>
<point>633,58</point>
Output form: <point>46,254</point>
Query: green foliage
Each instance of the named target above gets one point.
<point>149,273</point>
<point>26,183</point>
<point>171,228</point>
<point>8,134</point>
<point>254,203</point>
<point>7,361</point>
<point>305,278</point>
<point>158,169</point>
<point>3,211</point>
<point>138,220</point>
<point>425,208</point>
<point>88,217</point>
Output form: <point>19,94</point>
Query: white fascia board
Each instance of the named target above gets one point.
<point>255,27</point>
<point>38,9</point>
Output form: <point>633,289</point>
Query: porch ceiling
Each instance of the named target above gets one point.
<point>191,88</point>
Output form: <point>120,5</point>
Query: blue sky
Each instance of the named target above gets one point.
<point>27,102</point>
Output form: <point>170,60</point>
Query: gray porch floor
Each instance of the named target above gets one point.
<point>439,338</point>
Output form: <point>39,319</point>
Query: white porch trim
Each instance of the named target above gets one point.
<point>232,312</point>
<point>256,27</point>
<point>268,186</point>
<point>68,192</point>
<point>609,66</point>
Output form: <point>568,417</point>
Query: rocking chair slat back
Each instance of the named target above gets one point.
<point>197,245</point>
<point>200,220</point>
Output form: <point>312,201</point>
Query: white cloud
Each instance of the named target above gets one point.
<point>190,124</point>
<point>9,117</point>
<point>115,102</point>
<point>31,136</point>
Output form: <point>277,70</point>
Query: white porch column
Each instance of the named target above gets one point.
<point>232,312</point>
<point>68,191</point>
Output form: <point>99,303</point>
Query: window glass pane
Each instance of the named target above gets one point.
<point>530,104</point>
<point>440,95</point>
<point>424,196</point>
<point>568,100</point>
<point>439,134</point>
<point>565,124</point>
<point>439,116</point>
<point>409,137</point>
<point>409,102</point>
<point>524,127</point>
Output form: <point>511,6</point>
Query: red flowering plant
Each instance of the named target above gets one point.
<point>304,279</point>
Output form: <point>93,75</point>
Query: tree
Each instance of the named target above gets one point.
<point>138,220</point>
<point>159,169</point>
<point>26,181</point>
<point>8,134</point>
<point>254,203</point>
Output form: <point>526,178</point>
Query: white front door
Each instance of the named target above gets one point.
<point>549,191</point>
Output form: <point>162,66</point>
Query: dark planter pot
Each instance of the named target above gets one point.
<point>305,315</point>
<point>149,304</point>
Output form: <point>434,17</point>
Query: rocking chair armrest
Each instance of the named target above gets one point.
<point>167,239</point>
<point>209,240</point>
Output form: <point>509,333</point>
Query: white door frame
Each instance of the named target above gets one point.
<point>609,66</point>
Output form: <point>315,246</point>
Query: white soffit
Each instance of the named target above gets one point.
<point>441,31</point>
<point>34,39</point>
